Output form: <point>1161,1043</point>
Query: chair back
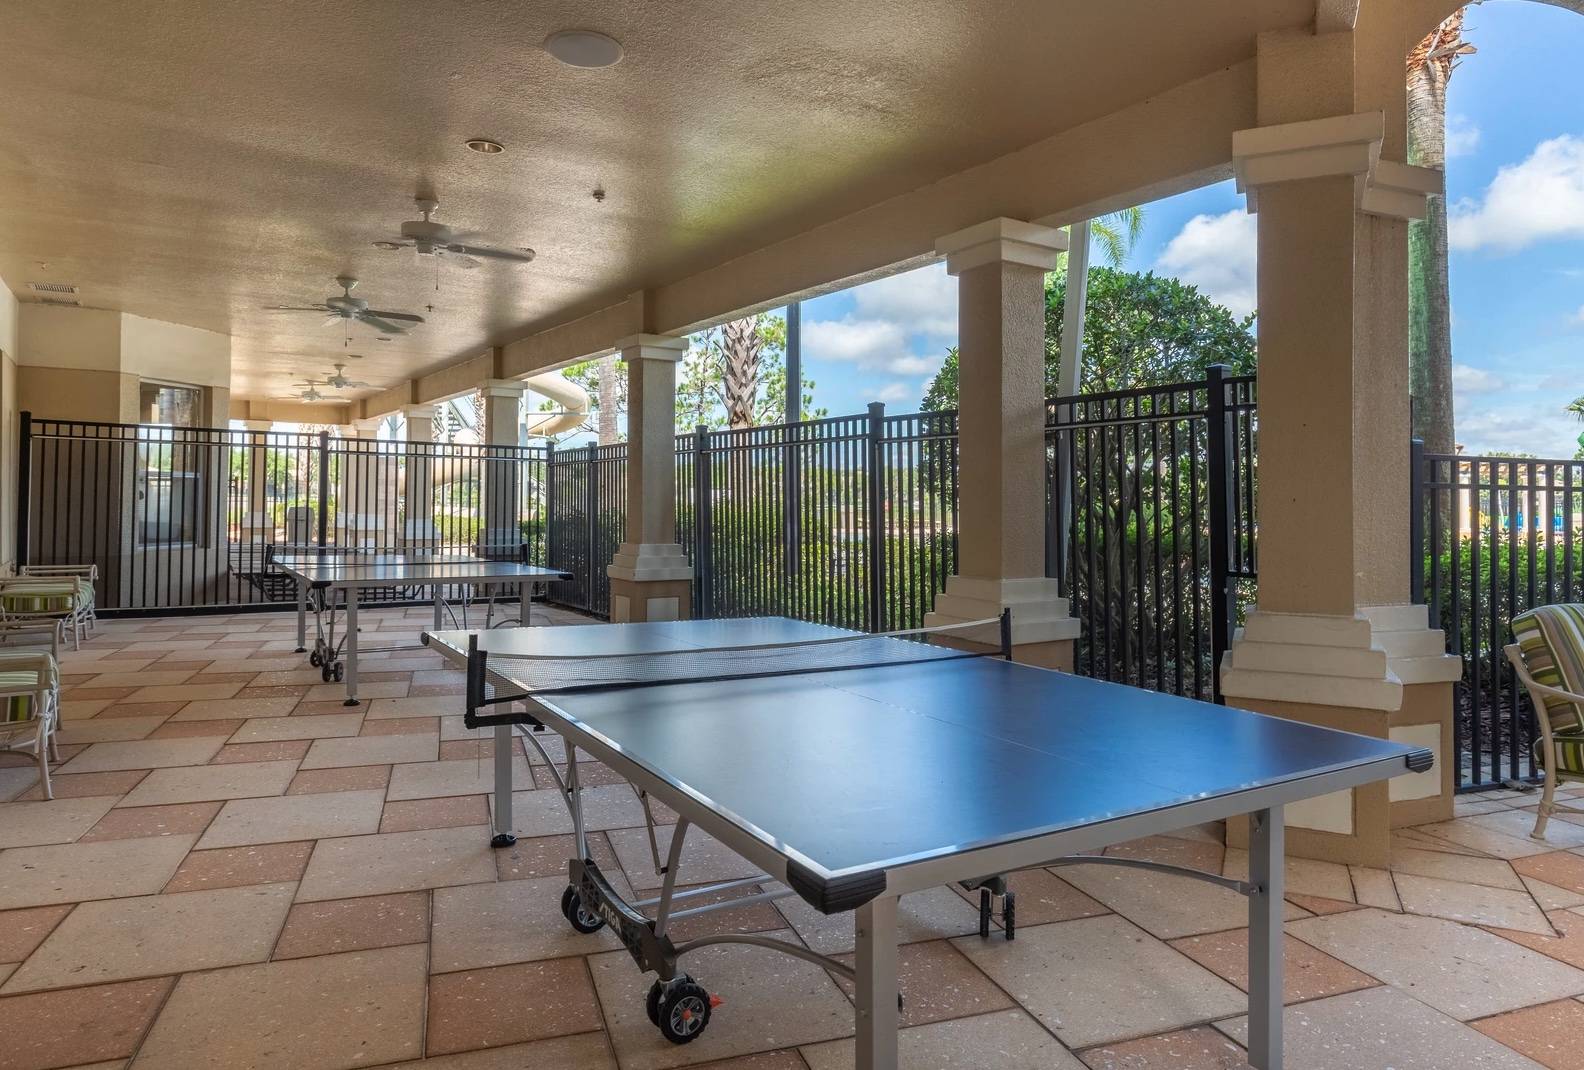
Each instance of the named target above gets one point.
<point>1550,641</point>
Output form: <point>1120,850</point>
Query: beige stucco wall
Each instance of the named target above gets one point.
<point>77,393</point>
<point>8,427</point>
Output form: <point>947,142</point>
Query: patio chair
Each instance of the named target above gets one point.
<point>30,708</point>
<point>1548,657</point>
<point>67,599</point>
<point>89,574</point>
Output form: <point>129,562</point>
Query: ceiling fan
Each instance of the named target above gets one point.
<point>339,381</point>
<point>309,394</point>
<point>429,238</point>
<point>345,308</point>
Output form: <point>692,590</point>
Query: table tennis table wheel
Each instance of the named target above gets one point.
<point>338,672</point>
<point>984,913</point>
<point>1009,914</point>
<point>681,1008</point>
<point>324,671</point>
<point>581,918</point>
<point>314,659</point>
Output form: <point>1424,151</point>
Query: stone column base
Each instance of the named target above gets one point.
<point>1043,630</point>
<point>636,601</point>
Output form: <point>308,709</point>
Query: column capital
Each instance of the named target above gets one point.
<point>1001,240</point>
<point>256,425</point>
<point>418,412</point>
<point>652,347</point>
<point>1314,148</point>
<point>1399,190</point>
<point>503,388</point>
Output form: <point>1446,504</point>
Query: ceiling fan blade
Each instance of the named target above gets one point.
<point>296,308</point>
<point>397,317</point>
<point>381,325</point>
<point>517,256</point>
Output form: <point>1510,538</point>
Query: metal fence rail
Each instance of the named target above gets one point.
<point>1494,536</point>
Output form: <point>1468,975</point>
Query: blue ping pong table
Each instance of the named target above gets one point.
<point>853,769</point>
<point>325,574</point>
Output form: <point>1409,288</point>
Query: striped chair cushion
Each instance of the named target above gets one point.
<point>1551,640</point>
<point>41,598</point>
<point>1569,753</point>
<point>16,707</point>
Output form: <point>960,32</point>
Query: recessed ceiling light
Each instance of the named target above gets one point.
<point>584,48</point>
<point>485,145</point>
<point>386,245</point>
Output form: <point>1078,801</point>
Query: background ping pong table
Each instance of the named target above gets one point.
<point>325,574</point>
<point>853,786</point>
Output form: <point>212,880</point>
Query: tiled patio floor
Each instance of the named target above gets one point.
<point>238,871</point>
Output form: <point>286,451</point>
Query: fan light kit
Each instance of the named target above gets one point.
<point>430,238</point>
<point>584,48</point>
<point>346,309</point>
<point>485,145</point>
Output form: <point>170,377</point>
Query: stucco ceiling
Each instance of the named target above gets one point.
<point>197,161</point>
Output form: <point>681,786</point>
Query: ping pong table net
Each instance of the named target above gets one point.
<point>494,677</point>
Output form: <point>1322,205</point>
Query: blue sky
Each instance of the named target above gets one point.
<point>1515,183</point>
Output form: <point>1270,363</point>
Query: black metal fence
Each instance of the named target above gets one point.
<point>1494,536</point>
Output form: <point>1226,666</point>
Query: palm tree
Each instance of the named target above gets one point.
<point>605,403</point>
<point>1118,232</point>
<point>1430,67</point>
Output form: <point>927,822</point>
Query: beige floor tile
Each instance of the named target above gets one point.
<point>273,729</point>
<point>191,729</point>
<point>1548,1034</point>
<point>1504,834</point>
<point>78,1026</point>
<point>933,914</point>
<point>1382,1029</point>
<point>1016,1041</point>
<point>143,754</point>
<point>21,931</point>
<point>351,778</point>
<point>1164,904</point>
<point>367,689</point>
<point>286,818</point>
<point>423,706</point>
<point>397,726</point>
<point>14,780</point>
<point>1374,888</point>
<point>83,785</point>
<point>1100,980</point>
<point>305,676</point>
<point>139,678</point>
<point>1174,851</point>
<point>108,729</point>
<point>207,783</point>
<point>474,776</point>
<point>586,1051</point>
<point>234,867</point>
<point>229,708</point>
<point>82,709</point>
<point>1550,897</point>
<point>397,862</point>
<point>704,859</point>
<point>341,925</point>
<point>70,873</point>
<point>1461,971</point>
<point>1201,1048</point>
<point>1307,974</point>
<point>507,921</point>
<point>263,664</point>
<point>127,823</point>
<point>1563,869</point>
<point>509,1005</point>
<point>771,1001</point>
<point>1492,872</point>
<point>937,982</point>
<point>281,750</point>
<point>120,939</point>
<point>449,812</point>
<point>1042,897</point>
<point>371,750</point>
<point>187,692</point>
<point>33,824</point>
<point>546,856</point>
<point>1474,904</point>
<point>1305,876</point>
<point>330,1012</point>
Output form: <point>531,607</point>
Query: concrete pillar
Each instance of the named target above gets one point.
<point>1333,640</point>
<point>650,576</point>
<point>417,525</point>
<point>358,491</point>
<point>257,526</point>
<point>500,527</point>
<point>1000,267</point>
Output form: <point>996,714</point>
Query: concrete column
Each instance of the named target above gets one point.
<point>1000,267</point>
<point>1333,640</point>
<point>258,527</point>
<point>418,527</point>
<point>649,575</point>
<point>359,520</point>
<point>501,497</point>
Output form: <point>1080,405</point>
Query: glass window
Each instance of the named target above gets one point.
<point>173,406</point>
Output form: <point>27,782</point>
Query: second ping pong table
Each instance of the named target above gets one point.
<point>324,574</point>
<point>853,769</point>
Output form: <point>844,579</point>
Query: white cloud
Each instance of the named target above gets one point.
<point>893,392</point>
<point>1577,319</point>
<point>923,301</point>
<point>1462,136</point>
<point>866,343</point>
<point>1542,430</point>
<point>1541,198</point>
<point>1466,377</point>
<point>1216,254</point>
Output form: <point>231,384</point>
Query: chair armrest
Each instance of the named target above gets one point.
<point>1515,656</point>
<point>50,626</point>
<point>29,661</point>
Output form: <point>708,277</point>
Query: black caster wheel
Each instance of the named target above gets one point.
<point>1009,914</point>
<point>684,1011</point>
<point>314,659</point>
<point>324,672</point>
<point>984,913</point>
<point>581,918</point>
<point>338,672</point>
<point>652,1001</point>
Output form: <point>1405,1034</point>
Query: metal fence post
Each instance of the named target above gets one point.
<point>24,483</point>
<point>548,512</point>
<point>1220,473</point>
<point>1416,521</point>
<point>591,507</point>
<point>703,564</point>
<point>324,486</point>
<point>874,534</point>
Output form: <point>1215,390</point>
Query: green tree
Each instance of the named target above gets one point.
<point>1139,330</point>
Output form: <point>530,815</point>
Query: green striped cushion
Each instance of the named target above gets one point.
<point>40,598</point>
<point>1569,754</point>
<point>17,707</point>
<point>1551,640</point>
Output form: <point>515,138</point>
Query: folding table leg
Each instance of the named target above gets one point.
<point>525,597</point>
<point>875,928</point>
<point>302,617</point>
<point>503,787</point>
<point>439,607</point>
<point>1267,857</point>
<point>351,647</point>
